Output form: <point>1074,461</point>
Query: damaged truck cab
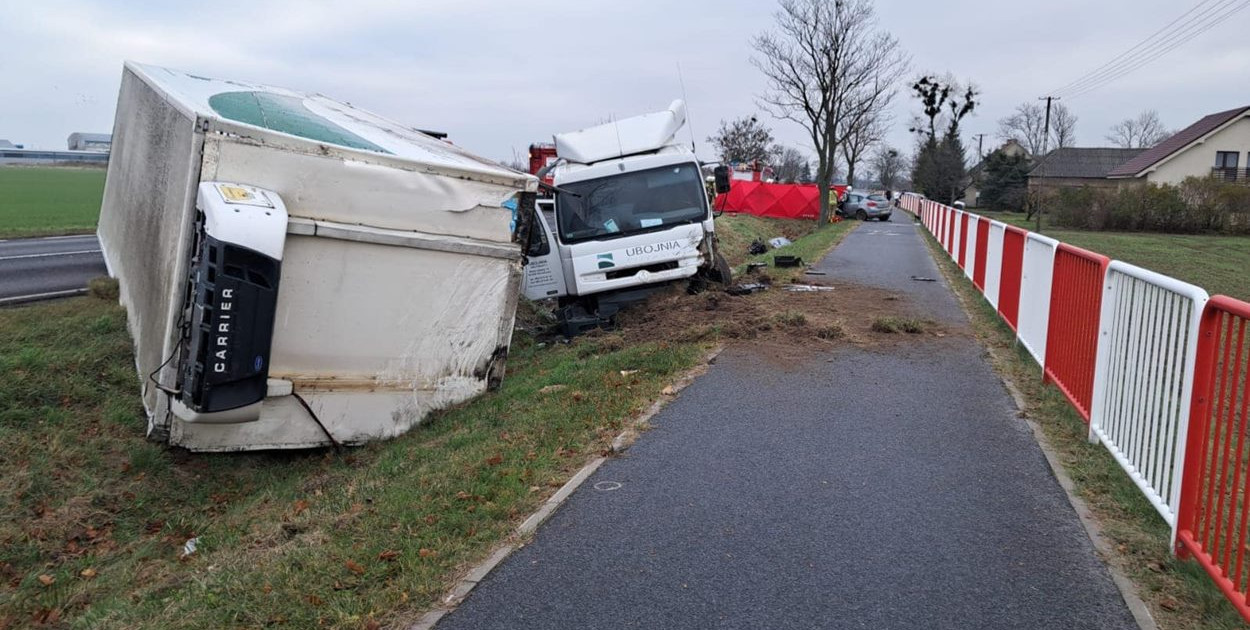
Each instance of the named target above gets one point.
<point>630,215</point>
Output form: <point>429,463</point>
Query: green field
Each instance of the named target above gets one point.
<point>49,201</point>
<point>1219,264</point>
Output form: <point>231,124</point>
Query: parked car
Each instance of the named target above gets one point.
<point>863,206</point>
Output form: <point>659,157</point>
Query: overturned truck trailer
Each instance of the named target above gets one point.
<point>298,272</point>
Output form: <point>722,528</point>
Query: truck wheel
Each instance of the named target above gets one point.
<point>721,271</point>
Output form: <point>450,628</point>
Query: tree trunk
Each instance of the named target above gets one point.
<point>824,177</point>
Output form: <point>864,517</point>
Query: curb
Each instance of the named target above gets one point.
<point>530,525</point>
<point>1093,529</point>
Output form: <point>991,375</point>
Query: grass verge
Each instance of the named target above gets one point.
<point>49,201</point>
<point>1215,263</point>
<point>95,518</point>
<point>1179,594</point>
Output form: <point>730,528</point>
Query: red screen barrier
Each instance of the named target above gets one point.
<point>1012,274</point>
<point>1215,491</point>
<point>1072,334</point>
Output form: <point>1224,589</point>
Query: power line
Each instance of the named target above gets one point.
<point>1100,69</point>
<point>1151,48</point>
<point>1180,41</point>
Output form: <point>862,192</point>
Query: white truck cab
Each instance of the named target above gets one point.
<point>630,215</point>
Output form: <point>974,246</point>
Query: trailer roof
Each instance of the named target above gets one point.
<point>311,117</point>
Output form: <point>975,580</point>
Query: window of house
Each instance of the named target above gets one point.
<point>1226,159</point>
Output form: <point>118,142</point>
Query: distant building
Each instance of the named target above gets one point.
<point>972,193</point>
<point>97,142</point>
<point>5,144</point>
<point>1211,147</point>
<point>12,155</point>
<point>1074,167</point>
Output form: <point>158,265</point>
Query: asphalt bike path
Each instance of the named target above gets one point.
<point>871,487</point>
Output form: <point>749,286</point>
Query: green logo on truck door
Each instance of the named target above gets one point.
<point>605,261</point>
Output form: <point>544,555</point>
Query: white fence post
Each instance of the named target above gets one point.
<point>1036,277</point>
<point>959,235</point>
<point>1144,376</point>
<point>994,261</point>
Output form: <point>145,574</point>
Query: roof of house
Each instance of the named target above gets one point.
<point>1176,142</point>
<point>1082,163</point>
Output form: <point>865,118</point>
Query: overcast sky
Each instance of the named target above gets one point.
<point>498,75</point>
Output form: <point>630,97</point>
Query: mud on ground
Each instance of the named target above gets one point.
<point>781,323</point>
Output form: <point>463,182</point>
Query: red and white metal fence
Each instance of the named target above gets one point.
<point>1147,347</point>
<point>1160,372</point>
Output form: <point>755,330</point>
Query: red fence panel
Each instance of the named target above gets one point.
<point>1072,332</point>
<point>1012,272</point>
<point>963,240</point>
<point>1215,491</point>
<point>983,243</point>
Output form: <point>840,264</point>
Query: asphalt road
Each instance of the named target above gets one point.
<point>877,489</point>
<point>43,268</point>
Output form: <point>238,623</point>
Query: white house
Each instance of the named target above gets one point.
<point>1217,145</point>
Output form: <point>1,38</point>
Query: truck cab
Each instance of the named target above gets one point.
<point>630,215</point>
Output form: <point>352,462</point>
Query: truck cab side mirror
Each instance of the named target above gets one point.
<point>721,173</point>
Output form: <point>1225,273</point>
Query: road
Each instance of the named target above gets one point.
<point>42,268</point>
<point>881,488</point>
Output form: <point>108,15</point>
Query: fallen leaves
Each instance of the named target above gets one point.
<point>299,507</point>
<point>354,567</point>
<point>88,573</point>
<point>668,391</point>
<point>427,553</point>
<point>388,555</point>
<point>46,580</point>
<point>494,460</point>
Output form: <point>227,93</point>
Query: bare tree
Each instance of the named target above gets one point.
<point>858,139</point>
<point>519,161</point>
<point>1138,133</point>
<point>828,66</point>
<point>1027,126</point>
<point>743,140</point>
<point>788,163</point>
<point>889,166</point>
<point>1062,126</point>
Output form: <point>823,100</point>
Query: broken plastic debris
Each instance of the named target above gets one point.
<point>746,289</point>
<point>923,279</point>
<point>802,288</point>
<point>628,372</point>
<point>190,546</point>
<point>756,265</point>
<point>780,241</point>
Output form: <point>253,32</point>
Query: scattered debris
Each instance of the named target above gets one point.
<point>807,287</point>
<point>190,547</point>
<point>813,272</point>
<point>746,289</point>
<point>787,261</point>
<point>757,247</point>
<point>780,241</point>
<point>628,372</point>
<point>923,279</point>
<point>756,265</point>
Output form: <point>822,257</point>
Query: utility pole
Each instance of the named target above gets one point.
<point>980,140</point>
<point>1045,147</point>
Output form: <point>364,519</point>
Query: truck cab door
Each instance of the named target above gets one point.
<point>544,275</point>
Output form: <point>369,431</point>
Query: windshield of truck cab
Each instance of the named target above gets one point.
<point>630,203</point>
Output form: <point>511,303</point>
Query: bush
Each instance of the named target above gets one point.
<point>1196,205</point>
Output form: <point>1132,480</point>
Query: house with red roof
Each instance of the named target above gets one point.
<point>1218,145</point>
